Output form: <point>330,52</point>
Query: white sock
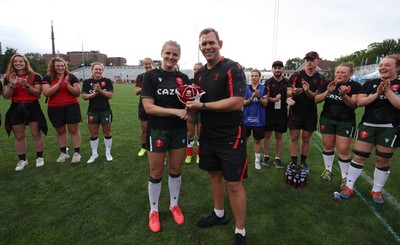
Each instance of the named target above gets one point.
<point>258,155</point>
<point>94,144</point>
<point>344,167</point>
<point>353,174</point>
<point>328,161</point>
<point>240,231</point>
<point>108,143</point>
<point>219,213</point>
<point>174,185</point>
<point>380,178</point>
<point>190,143</point>
<point>154,195</point>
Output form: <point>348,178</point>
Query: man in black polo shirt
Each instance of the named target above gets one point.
<point>303,110</point>
<point>223,145</point>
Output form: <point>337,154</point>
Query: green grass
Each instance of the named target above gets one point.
<point>107,203</point>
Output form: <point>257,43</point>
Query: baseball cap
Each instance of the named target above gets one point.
<point>277,63</point>
<point>312,55</point>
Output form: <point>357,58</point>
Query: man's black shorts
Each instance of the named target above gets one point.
<point>228,157</point>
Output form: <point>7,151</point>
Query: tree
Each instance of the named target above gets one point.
<point>293,64</point>
<point>6,59</point>
<point>373,54</point>
<point>37,62</point>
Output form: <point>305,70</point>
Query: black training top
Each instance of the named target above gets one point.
<point>303,102</point>
<point>224,80</point>
<point>275,88</point>
<point>160,85</point>
<point>334,106</point>
<point>381,111</point>
<point>99,102</point>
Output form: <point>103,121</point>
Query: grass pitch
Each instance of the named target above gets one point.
<point>107,203</point>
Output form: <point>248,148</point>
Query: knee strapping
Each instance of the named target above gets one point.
<point>383,154</point>
<point>362,153</point>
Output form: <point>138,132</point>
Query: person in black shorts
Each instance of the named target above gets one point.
<point>254,113</point>
<point>143,117</point>
<point>62,90</point>
<point>303,110</point>
<point>98,90</point>
<point>223,150</point>
<point>379,127</point>
<point>23,86</point>
<point>276,112</point>
<point>166,132</point>
<point>338,119</point>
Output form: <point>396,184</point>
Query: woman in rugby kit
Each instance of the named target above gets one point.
<point>338,119</point>
<point>62,89</point>
<point>378,128</point>
<point>191,128</point>
<point>98,90</point>
<point>23,86</point>
<point>142,115</point>
<point>167,130</point>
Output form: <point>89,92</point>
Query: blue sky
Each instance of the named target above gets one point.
<point>138,29</point>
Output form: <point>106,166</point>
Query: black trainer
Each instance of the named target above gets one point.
<point>239,239</point>
<point>212,220</point>
<point>306,168</point>
<point>266,161</point>
<point>278,163</point>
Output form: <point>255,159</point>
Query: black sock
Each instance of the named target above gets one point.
<point>22,157</point>
<point>39,154</point>
<point>294,160</point>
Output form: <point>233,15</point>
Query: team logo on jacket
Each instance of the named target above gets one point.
<point>103,83</point>
<point>322,127</point>
<point>159,143</point>
<point>394,87</point>
<point>216,76</point>
<point>91,118</point>
<point>179,81</point>
<point>364,134</point>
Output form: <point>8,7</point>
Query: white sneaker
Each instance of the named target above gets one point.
<point>39,162</point>
<point>21,165</point>
<point>258,166</point>
<point>62,157</point>
<point>76,158</point>
<point>109,157</point>
<point>92,158</point>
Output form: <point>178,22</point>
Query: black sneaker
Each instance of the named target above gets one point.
<point>278,163</point>
<point>239,239</point>
<point>306,168</point>
<point>266,161</point>
<point>212,220</point>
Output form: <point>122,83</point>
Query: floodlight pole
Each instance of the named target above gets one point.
<point>83,62</point>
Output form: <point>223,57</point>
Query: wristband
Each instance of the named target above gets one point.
<point>203,106</point>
